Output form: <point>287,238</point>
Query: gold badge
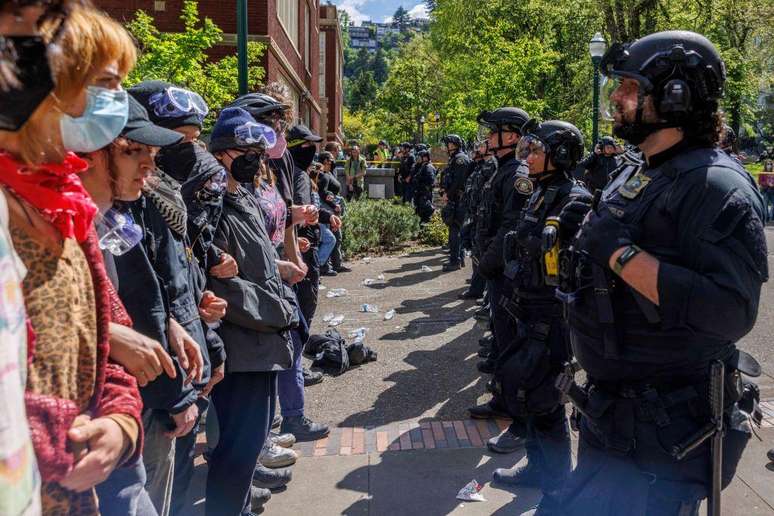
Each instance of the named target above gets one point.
<point>632,188</point>
<point>524,186</point>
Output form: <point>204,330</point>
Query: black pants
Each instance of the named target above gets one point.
<point>477,282</point>
<point>548,449</point>
<point>336,256</point>
<point>355,192</point>
<point>244,403</point>
<point>308,289</point>
<point>455,244</point>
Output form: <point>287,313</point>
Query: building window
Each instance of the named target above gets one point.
<point>294,96</point>
<point>160,5</point>
<point>323,36</point>
<point>287,12</point>
<point>308,38</point>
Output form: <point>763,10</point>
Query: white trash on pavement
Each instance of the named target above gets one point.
<point>471,492</point>
<point>336,292</point>
<point>425,268</point>
<point>389,315</point>
<point>336,320</point>
<point>371,309</point>
<point>327,317</point>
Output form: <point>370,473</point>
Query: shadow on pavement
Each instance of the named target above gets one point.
<point>438,316</point>
<point>427,482</point>
<point>436,262</point>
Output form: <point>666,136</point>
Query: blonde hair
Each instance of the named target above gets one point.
<point>91,40</point>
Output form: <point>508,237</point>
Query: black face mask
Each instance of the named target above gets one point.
<point>303,156</point>
<point>177,160</point>
<point>19,102</point>
<point>245,167</point>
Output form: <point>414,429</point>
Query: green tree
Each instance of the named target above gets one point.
<point>401,19</point>
<point>380,67</point>
<point>181,58</point>
<point>362,90</point>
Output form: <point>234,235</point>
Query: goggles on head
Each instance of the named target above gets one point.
<point>175,102</point>
<point>530,144</point>
<point>253,133</point>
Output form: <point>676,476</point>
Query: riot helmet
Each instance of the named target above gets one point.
<point>455,140</point>
<point>681,70</point>
<point>502,119</point>
<point>423,153</point>
<point>560,142</point>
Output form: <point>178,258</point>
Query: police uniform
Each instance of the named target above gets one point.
<point>483,170</point>
<point>454,212</point>
<point>406,168</point>
<point>698,212</point>
<point>423,180</point>
<point>531,360</point>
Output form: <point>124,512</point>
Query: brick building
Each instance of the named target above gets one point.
<point>331,74</point>
<point>291,32</point>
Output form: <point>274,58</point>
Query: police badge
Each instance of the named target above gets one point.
<point>632,188</point>
<point>524,186</point>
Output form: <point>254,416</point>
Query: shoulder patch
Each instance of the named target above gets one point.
<point>524,186</point>
<point>460,160</point>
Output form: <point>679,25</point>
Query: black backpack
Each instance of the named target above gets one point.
<point>331,353</point>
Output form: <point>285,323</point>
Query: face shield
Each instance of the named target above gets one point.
<point>618,95</point>
<point>530,144</point>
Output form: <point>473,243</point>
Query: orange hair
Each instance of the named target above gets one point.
<point>91,40</point>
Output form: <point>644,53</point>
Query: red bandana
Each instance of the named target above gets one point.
<point>55,190</point>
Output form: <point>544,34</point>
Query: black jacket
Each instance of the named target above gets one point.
<point>499,213</point>
<point>260,309</point>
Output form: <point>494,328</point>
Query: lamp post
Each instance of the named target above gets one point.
<point>421,128</point>
<point>242,45</point>
<point>597,47</point>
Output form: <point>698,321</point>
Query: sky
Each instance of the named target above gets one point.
<point>380,10</point>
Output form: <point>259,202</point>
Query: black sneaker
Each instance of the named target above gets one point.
<point>486,340</point>
<point>770,455</point>
<point>484,352</point>
<point>343,268</point>
<point>311,377</point>
<point>487,411</point>
<point>329,272</point>
<point>469,294</point>
<point>506,442</point>
<point>450,267</point>
<point>482,314</point>
<point>523,475</point>
<point>271,479</point>
<point>303,428</point>
<point>486,366</point>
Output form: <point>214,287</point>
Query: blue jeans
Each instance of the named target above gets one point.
<point>124,494</point>
<point>290,383</point>
<point>768,196</point>
<point>327,243</point>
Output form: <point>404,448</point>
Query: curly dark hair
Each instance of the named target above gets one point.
<point>704,126</point>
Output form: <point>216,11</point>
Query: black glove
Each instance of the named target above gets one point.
<point>603,234</point>
<point>529,236</point>
<point>572,215</point>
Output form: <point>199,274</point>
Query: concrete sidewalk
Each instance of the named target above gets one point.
<point>401,441</point>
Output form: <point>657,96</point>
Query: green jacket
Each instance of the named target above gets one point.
<point>354,167</point>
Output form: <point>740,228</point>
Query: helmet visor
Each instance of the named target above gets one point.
<point>256,134</point>
<point>618,95</point>
<point>530,144</point>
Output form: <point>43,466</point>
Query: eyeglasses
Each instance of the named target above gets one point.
<point>175,102</point>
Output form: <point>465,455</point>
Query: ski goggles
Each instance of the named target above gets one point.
<point>175,102</point>
<point>253,133</point>
<point>121,233</point>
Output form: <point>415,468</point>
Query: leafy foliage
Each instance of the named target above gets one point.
<point>434,232</point>
<point>378,224</point>
<point>181,58</point>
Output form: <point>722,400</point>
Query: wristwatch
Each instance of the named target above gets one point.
<point>629,253</point>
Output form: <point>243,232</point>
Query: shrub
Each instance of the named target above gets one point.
<point>434,232</point>
<point>376,225</point>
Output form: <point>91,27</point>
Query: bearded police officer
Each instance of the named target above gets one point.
<point>534,357</point>
<point>502,201</point>
<point>454,189</point>
<point>667,278</point>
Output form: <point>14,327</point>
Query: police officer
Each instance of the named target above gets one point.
<point>597,166</point>
<point>502,200</point>
<point>423,180</point>
<point>453,187</point>
<point>728,142</point>
<point>668,277</point>
<point>407,161</point>
<point>484,167</point>
<point>534,357</point>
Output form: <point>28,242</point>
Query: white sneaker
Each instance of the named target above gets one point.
<point>284,440</point>
<point>275,456</point>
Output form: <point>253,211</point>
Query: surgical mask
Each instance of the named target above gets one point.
<point>278,150</point>
<point>245,167</point>
<point>33,81</point>
<point>120,233</point>
<point>102,121</point>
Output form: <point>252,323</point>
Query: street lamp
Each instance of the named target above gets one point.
<point>242,45</point>
<point>597,48</point>
<point>421,128</point>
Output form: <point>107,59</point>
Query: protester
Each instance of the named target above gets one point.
<point>330,194</point>
<point>258,321</point>
<point>327,238</point>
<point>407,161</point>
<point>84,412</point>
<point>355,171</point>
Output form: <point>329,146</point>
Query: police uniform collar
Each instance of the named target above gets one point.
<point>506,157</point>
<point>662,157</point>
